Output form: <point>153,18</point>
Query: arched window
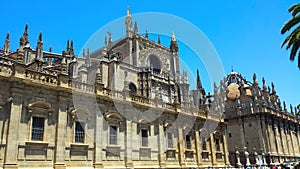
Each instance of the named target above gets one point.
<point>155,63</point>
<point>132,89</point>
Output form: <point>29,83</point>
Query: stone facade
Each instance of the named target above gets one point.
<point>122,106</point>
<point>259,124</point>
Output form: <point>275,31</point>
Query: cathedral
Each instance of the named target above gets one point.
<point>259,127</point>
<point>128,105</point>
<point>125,105</point>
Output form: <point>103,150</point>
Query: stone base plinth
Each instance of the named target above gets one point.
<point>60,166</point>
<point>10,166</point>
<point>98,165</point>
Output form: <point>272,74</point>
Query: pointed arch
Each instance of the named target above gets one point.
<point>113,117</point>
<point>39,107</point>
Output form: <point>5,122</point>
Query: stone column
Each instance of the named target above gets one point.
<point>267,146</point>
<point>10,160</point>
<point>272,139</point>
<point>298,136</point>
<point>128,144</point>
<point>291,138</point>
<point>213,150</point>
<point>263,159</point>
<point>238,161</point>
<point>296,140</point>
<point>256,158</point>
<point>247,157</point>
<point>98,140</point>
<point>283,149</point>
<point>60,144</point>
<point>198,148</point>
<point>181,148</point>
<point>161,144</point>
<point>261,135</point>
<point>276,136</point>
<point>241,123</point>
<point>225,150</point>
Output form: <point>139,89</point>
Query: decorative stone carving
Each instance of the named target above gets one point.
<point>163,57</point>
<point>3,101</point>
<point>39,108</point>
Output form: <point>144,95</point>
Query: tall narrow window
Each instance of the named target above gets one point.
<point>204,144</point>
<point>113,135</point>
<point>132,89</point>
<point>79,133</point>
<point>144,138</point>
<point>37,131</point>
<point>170,140</point>
<point>188,142</point>
<point>217,144</point>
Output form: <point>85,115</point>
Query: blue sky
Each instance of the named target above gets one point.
<point>246,34</point>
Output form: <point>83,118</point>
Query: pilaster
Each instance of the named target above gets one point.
<point>181,148</point>
<point>161,144</point>
<point>61,133</point>
<point>11,153</point>
<point>198,147</point>
<point>225,150</point>
<point>128,144</point>
<point>213,150</point>
<point>98,141</point>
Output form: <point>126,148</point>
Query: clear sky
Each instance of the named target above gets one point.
<point>246,34</point>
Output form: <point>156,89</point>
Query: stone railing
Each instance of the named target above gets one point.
<point>82,86</point>
<point>6,66</point>
<point>41,77</point>
<point>140,99</point>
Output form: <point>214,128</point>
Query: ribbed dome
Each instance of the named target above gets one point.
<point>233,91</point>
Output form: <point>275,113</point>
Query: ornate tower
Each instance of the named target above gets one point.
<point>174,51</point>
<point>6,45</point>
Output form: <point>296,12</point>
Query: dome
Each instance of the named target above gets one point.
<point>233,91</point>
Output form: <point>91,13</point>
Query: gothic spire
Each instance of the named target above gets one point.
<point>40,37</point>
<point>83,52</point>
<point>21,44</point>
<point>71,52</point>
<point>284,106</point>
<point>39,47</point>
<point>25,35</point>
<point>88,59</point>
<point>173,44</point>
<point>264,84</point>
<point>199,84</point>
<point>128,11</point>
<point>128,24</point>
<point>291,109</point>
<point>109,40</point>
<point>105,41</point>
<point>6,45</point>
<point>273,88</point>
<point>135,30</point>
<point>68,47</point>
<point>158,39</point>
<point>255,79</point>
<point>173,37</point>
<point>147,34</point>
<point>20,50</point>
